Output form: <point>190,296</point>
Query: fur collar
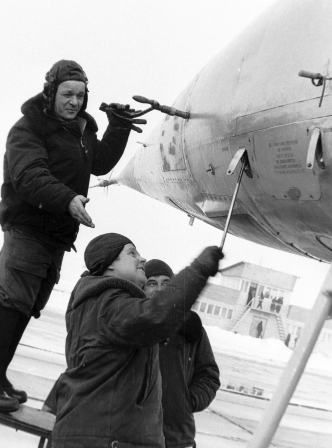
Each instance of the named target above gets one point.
<point>45,124</point>
<point>91,286</point>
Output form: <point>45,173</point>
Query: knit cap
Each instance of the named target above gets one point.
<point>156,267</point>
<point>103,250</point>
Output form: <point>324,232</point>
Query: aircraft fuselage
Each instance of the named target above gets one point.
<point>250,95</point>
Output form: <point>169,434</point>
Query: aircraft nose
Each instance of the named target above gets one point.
<point>127,177</point>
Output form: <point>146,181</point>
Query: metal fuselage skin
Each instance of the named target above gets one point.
<point>250,95</point>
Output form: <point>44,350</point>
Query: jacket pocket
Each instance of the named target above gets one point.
<point>39,270</point>
<point>26,284</point>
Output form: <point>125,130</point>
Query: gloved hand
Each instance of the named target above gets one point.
<point>121,114</point>
<point>208,261</point>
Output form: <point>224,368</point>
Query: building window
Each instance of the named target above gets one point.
<point>196,305</point>
<point>231,282</point>
<point>281,293</point>
<point>267,292</point>
<point>210,309</point>
<point>229,314</point>
<point>217,310</point>
<point>223,312</point>
<point>260,290</point>
<point>244,285</point>
<point>290,328</point>
<point>202,307</point>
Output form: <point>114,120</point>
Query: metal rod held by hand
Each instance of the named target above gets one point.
<point>232,204</point>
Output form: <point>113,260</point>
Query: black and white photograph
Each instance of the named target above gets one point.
<point>166,191</point>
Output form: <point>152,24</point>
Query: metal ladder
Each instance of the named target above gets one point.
<point>281,327</point>
<point>239,318</point>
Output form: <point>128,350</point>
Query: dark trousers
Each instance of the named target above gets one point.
<point>12,326</point>
<point>29,269</point>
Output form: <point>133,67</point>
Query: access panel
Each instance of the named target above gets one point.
<point>280,162</point>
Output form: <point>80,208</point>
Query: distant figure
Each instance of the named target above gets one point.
<point>259,330</point>
<point>260,301</point>
<point>295,340</point>
<point>250,297</point>
<point>279,304</point>
<point>273,305</point>
<point>287,340</point>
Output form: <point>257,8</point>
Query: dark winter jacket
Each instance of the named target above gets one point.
<point>190,380</point>
<point>48,163</point>
<point>111,390</point>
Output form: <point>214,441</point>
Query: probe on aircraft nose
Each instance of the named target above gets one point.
<point>317,79</point>
<point>165,109</point>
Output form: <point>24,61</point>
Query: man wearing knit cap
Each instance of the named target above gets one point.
<point>189,372</point>
<point>50,153</point>
<point>110,394</point>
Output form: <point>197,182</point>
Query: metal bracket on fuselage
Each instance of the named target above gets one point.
<point>241,154</point>
<point>235,160</point>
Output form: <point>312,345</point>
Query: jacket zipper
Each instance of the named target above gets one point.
<point>82,123</point>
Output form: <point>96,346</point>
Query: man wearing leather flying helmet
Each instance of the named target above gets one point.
<point>50,153</point>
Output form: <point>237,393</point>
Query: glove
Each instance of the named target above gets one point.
<point>120,114</point>
<point>208,261</point>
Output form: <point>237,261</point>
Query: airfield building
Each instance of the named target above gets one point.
<point>250,299</point>
<point>296,319</point>
<point>244,298</point>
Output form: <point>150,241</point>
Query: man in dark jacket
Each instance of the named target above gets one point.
<point>110,394</point>
<point>51,152</point>
<point>189,372</point>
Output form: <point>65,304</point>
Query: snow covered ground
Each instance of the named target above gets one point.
<point>247,366</point>
<point>250,362</point>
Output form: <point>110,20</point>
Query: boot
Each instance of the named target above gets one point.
<point>8,404</point>
<point>20,395</point>
<point>6,386</point>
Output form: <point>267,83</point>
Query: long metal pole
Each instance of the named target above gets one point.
<point>232,206</point>
<point>295,367</point>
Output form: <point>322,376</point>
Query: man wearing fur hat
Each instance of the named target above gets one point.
<point>110,394</point>
<point>189,372</point>
<point>50,153</point>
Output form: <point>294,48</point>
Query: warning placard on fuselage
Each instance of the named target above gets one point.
<point>280,161</point>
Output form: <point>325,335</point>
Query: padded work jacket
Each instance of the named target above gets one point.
<point>111,390</point>
<point>47,163</point>
<point>190,380</point>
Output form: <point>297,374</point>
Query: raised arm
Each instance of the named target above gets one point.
<point>142,322</point>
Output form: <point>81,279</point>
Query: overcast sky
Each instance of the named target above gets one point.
<point>133,47</point>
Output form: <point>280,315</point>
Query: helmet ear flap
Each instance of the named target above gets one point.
<point>85,101</point>
<point>49,89</point>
